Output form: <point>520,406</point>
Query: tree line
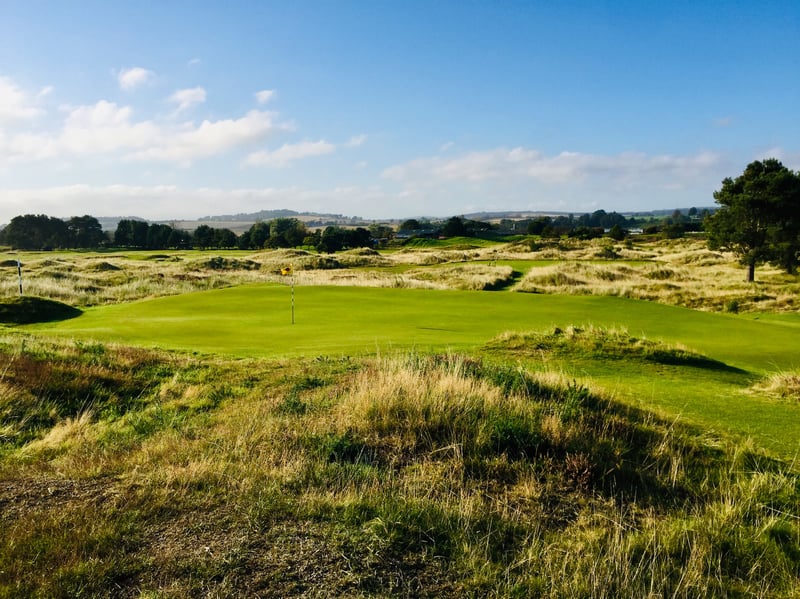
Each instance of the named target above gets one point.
<point>758,219</point>
<point>41,232</point>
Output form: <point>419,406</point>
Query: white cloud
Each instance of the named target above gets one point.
<point>356,141</point>
<point>790,160</point>
<point>134,77</point>
<point>265,95</point>
<point>194,62</point>
<point>14,103</point>
<point>211,138</point>
<point>44,92</point>
<point>158,202</point>
<point>566,167</point>
<point>106,129</point>
<point>288,153</point>
<point>186,98</point>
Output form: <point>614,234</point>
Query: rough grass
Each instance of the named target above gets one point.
<point>783,385</point>
<point>678,272</point>
<point>601,343</point>
<point>28,310</point>
<point>411,475</point>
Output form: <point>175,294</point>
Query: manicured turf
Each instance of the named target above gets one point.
<point>256,321</point>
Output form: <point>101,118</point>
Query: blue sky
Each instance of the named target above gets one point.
<point>172,110</point>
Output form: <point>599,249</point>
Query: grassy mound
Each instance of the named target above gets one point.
<point>103,267</point>
<point>29,310</point>
<point>604,344</point>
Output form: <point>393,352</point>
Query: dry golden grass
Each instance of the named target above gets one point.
<point>680,272</point>
<point>783,385</point>
<point>454,475</point>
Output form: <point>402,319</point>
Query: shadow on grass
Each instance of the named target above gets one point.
<point>505,283</point>
<point>681,358</point>
<point>30,310</point>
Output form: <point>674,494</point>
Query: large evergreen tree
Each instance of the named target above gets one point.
<point>759,216</point>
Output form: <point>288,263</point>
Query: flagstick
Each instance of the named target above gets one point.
<point>19,272</point>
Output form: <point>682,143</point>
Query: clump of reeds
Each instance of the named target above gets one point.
<point>784,385</point>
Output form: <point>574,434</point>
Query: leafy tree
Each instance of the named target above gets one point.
<point>539,224</point>
<point>244,241</point>
<point>759,216</point>
<point>454,227</point>
<point>286,232</point>
<point>334,239</point>
<point>179,239</point>
<point>331,240</point>
<point>224,238</point>
<point>358,238</point>
<point>617,233</point>
<point>412,224</point>
<point>586,232</point>
<point>203,237</point>
<point>131,233</point>
<point>86,232</point>
<point>37,232</point>
<point>258,235</point>
<point>158,236</point>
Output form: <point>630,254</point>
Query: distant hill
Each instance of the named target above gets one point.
<point>109,223</point>
<point>265,215</point>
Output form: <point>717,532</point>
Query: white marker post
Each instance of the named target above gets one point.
<point>19,274</point>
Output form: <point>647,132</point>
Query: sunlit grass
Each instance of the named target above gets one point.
<point>414,471</point>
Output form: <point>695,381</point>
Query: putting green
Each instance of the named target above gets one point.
<point>256,321</point>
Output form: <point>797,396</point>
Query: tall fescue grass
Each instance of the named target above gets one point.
<point>680,272</point>
<point>782,385</point>
<point>407,475</point>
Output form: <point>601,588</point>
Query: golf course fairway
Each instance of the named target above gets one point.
<point>256,320</point>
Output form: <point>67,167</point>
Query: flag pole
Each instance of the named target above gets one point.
<point>19,273</point>
<point>289,271</point>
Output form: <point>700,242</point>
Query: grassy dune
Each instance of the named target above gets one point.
<point>413,475</point>
<point>410,435</point>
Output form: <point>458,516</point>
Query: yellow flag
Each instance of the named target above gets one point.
<point>286,270</point>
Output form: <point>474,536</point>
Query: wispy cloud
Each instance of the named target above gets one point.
<point>172,201</point>
<point>566,167</point>
<point>289,153</point>
<point>356,141</point>
<point>15,103</point>
<point>265,95</point>
<point>134,77</point>
<point>186,98</point>
<point>789,159</point>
